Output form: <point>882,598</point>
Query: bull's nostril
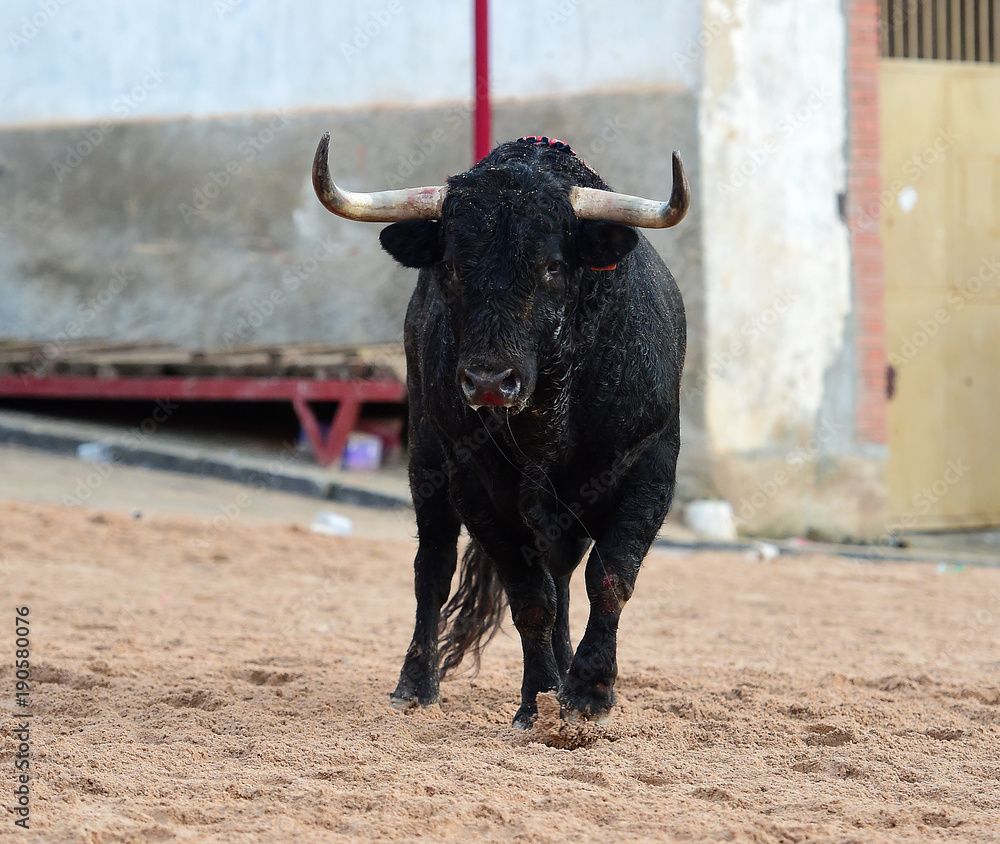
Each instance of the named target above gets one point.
<point>490,387</point>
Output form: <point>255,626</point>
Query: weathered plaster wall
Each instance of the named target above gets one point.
<point>773,138</point>
<point>208,232</point>
<point>67,61</point>
<point>778,382</point>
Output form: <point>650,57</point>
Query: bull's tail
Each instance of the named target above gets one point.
<point>472,616</point>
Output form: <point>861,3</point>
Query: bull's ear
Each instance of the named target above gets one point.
<point>601,245</point>
<point>414,243</point>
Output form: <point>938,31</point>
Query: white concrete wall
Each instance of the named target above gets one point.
<point>80,60</point>
<point>776,257</point>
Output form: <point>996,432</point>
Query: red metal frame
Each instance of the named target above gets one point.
<point>483,131</point>
<point>350,395</point>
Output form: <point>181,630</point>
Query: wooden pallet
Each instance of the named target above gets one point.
<point>148,360</point>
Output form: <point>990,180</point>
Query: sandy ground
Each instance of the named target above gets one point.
<point>228,681</point>
<point>28,475</point>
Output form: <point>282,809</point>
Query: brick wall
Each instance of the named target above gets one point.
<point>863,193</point>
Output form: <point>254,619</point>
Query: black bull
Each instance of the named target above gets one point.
<point>544,348</point>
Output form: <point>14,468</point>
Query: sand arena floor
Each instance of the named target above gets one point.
<point>203,684</point>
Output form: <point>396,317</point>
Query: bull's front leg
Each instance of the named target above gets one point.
<point>539,608</point>
<point>438,526</point>
<point>533,610</point>
<point>588,690</point>
<point>532,596</point>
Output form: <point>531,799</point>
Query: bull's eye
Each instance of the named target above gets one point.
<point>449,282</point>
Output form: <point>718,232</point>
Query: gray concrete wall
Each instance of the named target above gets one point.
<point>183,230</point>
<point>208,233</point>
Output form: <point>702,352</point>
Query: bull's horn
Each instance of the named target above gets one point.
<point>592,204</point>
<point>388,206</point>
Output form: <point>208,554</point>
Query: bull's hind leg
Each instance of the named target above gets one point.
<point>538,595</point>
<point>562,647</point>
<point>566,556</point>
<point>531,593</point>
<point>437,556</point>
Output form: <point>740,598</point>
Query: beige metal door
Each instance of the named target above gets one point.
<point>940,214</point>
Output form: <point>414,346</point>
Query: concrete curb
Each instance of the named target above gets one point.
<point>862,554</point>
<point>59,438</point>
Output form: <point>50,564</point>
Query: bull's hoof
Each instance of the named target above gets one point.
<point>574,716</point>
<point>525,716</point>
<point>586,702</point>
<point>407,695</point>
<point>405,704</point>
<point>400,703</point>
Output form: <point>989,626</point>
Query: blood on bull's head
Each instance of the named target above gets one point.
<point>507,245</point>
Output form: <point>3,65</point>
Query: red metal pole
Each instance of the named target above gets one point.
<point>482,132</point>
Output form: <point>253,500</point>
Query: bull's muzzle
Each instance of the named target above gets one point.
<point>486,388</point>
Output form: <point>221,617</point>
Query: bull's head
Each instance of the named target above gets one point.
<point>507,244</point>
